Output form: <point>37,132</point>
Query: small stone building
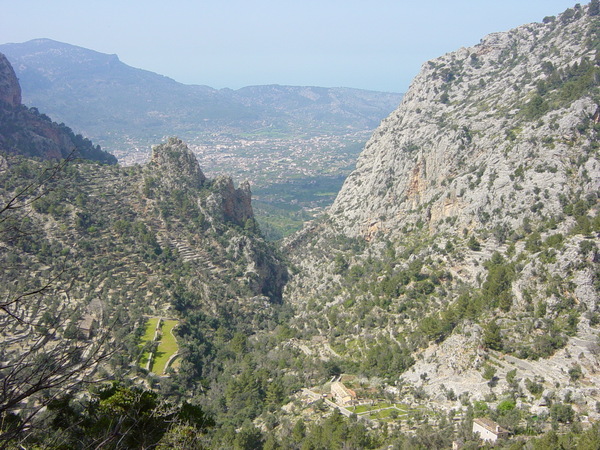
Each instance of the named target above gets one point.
<point>489,430</point>
<point>342,394</point>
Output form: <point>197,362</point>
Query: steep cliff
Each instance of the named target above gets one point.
<point>465,244</point>
<point>24,131</point>
<point>479,134</point>
<point>10,90</point>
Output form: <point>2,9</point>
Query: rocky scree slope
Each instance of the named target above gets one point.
<point>465,243</point>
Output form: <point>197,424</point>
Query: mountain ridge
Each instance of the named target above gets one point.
<point>104,98</point>
<point>455,277</point>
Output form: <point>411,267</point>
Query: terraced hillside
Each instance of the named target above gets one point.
<point>89,251</point>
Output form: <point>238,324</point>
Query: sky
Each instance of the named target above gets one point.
<point>366,44</point>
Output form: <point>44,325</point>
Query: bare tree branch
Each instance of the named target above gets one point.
<point>37,362</point>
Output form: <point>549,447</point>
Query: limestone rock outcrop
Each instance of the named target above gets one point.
<point>480,132</point>
<point>235,205</point>
<point>10,90</point>
<point>176,165</point>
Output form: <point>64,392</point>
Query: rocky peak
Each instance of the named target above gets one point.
<point>10,90</point>
<point>177,165</point>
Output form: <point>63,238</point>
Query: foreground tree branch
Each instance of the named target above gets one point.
<point>38,363</point>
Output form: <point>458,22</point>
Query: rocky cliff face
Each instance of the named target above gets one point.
<point>10,90</point>
<point>25,131</point>
<point>481,131</point>
<point>464,246</point>
<point>229,203</point>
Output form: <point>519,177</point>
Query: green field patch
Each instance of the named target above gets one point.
<point>148,336</point>
<point>367,408</point>
<point>166,345</point>
<point>359,409</point>
<point>385,413</point>
<point>149,330</point>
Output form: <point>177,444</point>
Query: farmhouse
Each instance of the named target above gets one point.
<point>489,430</point>
<point>342,394</point>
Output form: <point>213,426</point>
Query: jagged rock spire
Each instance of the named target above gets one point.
<point>177,164</point>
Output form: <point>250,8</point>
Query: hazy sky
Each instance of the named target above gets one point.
<point>368,44</point>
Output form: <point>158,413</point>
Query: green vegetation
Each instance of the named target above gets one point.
<point>129,253</point>
<point>283,208</point>
<point>371,407</point>
<point>561,87</point>
<point>443,296</point>
<point>117,416</point>
<point>147,339</point>
<point>167,347</point>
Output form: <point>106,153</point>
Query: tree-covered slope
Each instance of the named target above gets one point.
<point>90,251</point>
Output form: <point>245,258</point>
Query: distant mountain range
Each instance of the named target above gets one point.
<point>112,103</point>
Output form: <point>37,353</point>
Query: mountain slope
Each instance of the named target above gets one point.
<point>90,252</point>
<point>515,110</point>
<point>113,103</point>
<point>465,243</point>
<point>27,132</point>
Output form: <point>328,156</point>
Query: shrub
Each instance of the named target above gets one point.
<point>575,372</point>
<point>488,372</point>
<point>533,387</point>
<point>562,413</point>
<point>474,244</point>
<point>506,405</point>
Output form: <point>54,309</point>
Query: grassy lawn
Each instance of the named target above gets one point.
<point>149,331</point>
<point>366,408</point>
<point>147,337</point>
<point>166,347</point>
<point>385,414</point>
